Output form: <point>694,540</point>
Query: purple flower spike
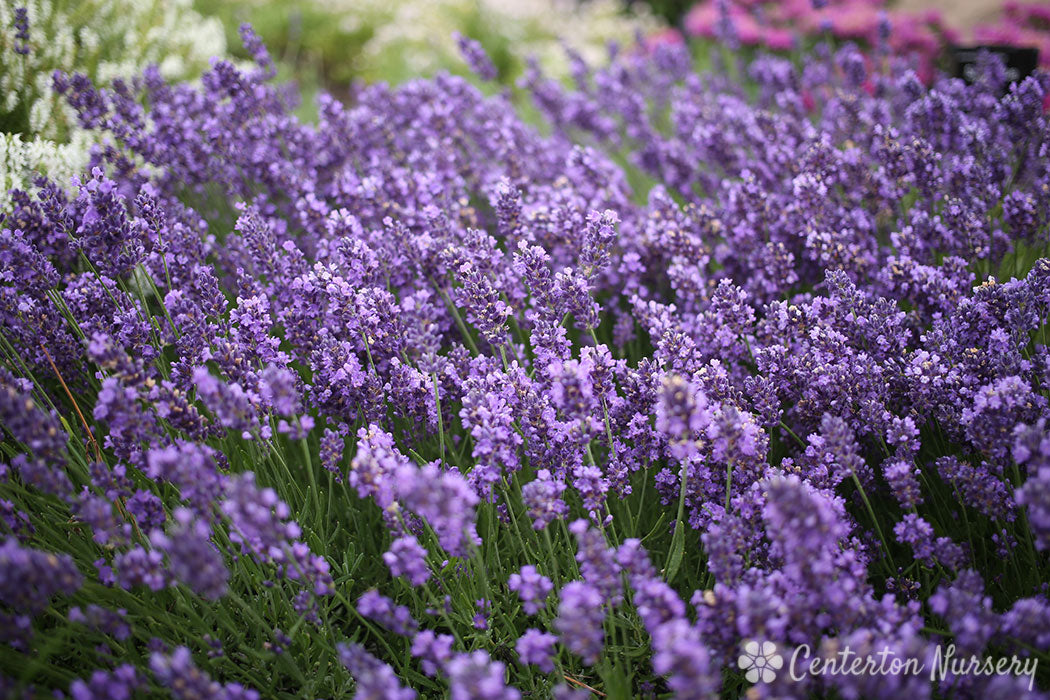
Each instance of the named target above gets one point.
<point>532,587</point>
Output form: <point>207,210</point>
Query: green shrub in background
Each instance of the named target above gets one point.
<point>379,40</point>
<point>105,39</point>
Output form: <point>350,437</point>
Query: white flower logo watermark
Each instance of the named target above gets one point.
<point>760,661</point>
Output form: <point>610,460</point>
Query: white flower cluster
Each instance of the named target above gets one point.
<point>104,39</point>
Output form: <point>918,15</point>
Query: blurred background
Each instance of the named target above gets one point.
<point>338,41</point>
<point>965,14</point>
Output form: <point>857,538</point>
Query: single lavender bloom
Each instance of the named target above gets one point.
<point>433,650</point>
<point>260,524</point>
<point>904,485</point>
<point>21,23</point>
<point>234,408</point>
<point>480,296</point>
<point>564,691</point>
<point>507,203</point>
<point>444,500</point>
<point>254,46</point>
<point>634,560</point>
<point>119,684</point>
<point>39,431</point>
<point>681,413</point>
<point>581,613</point>
<point>16,521</point>
<point>481,617</point>
<point>147,510</point>
<point>331,453</point>
<point>475,676</point>
<point>598,237</point>
<point>192,557</point>
<point>278,387</point>
<point>282,642</point>
<point>885,28</point>
<point>542,497</point>
<point>374,679</point>
<point>679,653</point>
<point>97,512</point>
<point>258,517</point>
<point>918,533</point>
<point>396,618</point>
<point>1032,449</point>
<point>407,558</point>
<point>537,648</point>
<point>476,57</point>
<point>29,578</point>
<point>111,622</point>
<point>192,468</point>
<point>968,612</point>
<point>106,234</point>
<point>141,567</point>
<point>375,462</point>
<point>598,563</point>
<point>532,587</point>
<point>177,672</point>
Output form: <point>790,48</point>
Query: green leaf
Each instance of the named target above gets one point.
<point>674,556</point>
<point>617,682</point>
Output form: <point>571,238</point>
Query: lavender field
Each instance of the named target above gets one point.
<point>696,374</point>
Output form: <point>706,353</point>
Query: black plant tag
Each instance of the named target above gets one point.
<point>1020,61</point>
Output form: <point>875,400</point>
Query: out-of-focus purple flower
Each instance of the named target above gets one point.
<point>475,676</point>
<point>918,533</point>
<point>542,496</point>
<point>679,653</point>
<point>532,587</point>
<point>192,557</point>
<point>904,485</point>
<point>1031,448</point>
<point>407,558</point>
<point>476,57</point>
<point>396,618</point>
<point>21,23</point>
<point>433,650</point>
<point>192,468</point>
<point>147,510</point>
<point>968,612</point>
<point>260,524</point>
<point>581,612</point>
<point>177,672</point>
<point>255,47</point>
<point>29,578</point>
<point>374,465</point>
<point>444,500</point>
<point>598,563</point>
<point>39,431</point>
<point>373,678</point>
<point>537,648</point>
<point>481,617</point>
<point>119,684</point>
<point>16,521</point>
<point>681,413</point>
<point>97,512</point>
<point>141,567</point>
<point>111,622</point>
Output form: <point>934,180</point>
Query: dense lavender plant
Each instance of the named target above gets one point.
<point>358,379</point>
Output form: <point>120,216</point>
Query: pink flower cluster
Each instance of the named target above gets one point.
<point>780,25</point>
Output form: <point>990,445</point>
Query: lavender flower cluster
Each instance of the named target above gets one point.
<point>480,408</point>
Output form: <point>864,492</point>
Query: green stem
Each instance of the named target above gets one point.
<point>441,421</point>
<point>875,522</point>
